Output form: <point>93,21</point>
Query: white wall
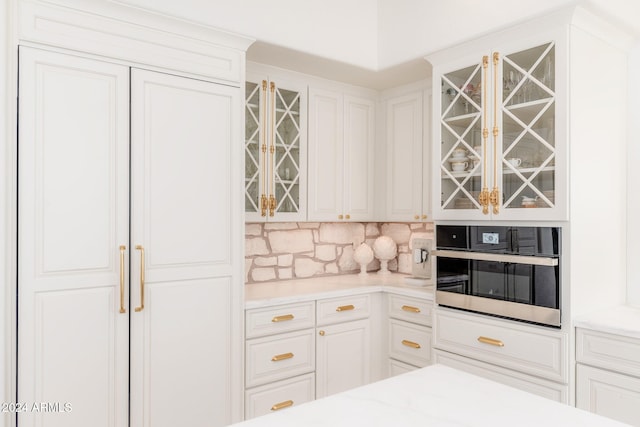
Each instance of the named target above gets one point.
<point>343,30</point>
<point>633,180</point>
<point>4,100</point>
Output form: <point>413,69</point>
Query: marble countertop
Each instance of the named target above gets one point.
<point>621,320</point>
<point>433,396</point>
<point>297,290</point>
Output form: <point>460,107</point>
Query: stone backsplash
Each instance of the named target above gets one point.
<point>281,251</point>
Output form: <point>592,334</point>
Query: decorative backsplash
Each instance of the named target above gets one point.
<point>293,250</point>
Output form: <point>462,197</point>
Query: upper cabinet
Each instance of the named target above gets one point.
<point>407,157</point>
<point>341,156</point>
<point>275,148</point>
<point>496,118</point>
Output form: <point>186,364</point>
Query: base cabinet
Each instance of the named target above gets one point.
<point>343,357</point>
<point>609,394</point>
<point>528,357</point>
<point>409,333</point>
<point>608,375</point>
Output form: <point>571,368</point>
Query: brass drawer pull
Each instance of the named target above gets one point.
<point>491,341</point>
<point>410,344</point>
<point>282,318</point>
<point>411,309</point>
<point>345,307</point>
<point>282,405</point>
<point>280,357</point>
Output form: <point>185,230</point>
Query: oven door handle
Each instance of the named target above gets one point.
<point>484,256</point>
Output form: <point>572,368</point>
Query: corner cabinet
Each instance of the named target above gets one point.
<point>407,158</point>
<point>499,148</point>
<point>275,149</point>
<point>341,156</point>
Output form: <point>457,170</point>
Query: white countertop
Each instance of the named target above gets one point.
<point>621,320</point>
<point>297,290</point>
<point>433,396</point>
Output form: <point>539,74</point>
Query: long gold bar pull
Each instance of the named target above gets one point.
<point>282,318</point>
<point>411,344</point>
<point>141,249</point>
<point>265,171</point>
<point>272,150</point>
<point>494,198</point>
<point>280,357</point>
<point>122,249</point>
<point>484,196</point>
<point>282,405</point>
<point>491,341</point>
<point>345,307</point>
<point>410,309</point>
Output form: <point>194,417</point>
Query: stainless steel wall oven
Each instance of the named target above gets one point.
<point>512,272</point>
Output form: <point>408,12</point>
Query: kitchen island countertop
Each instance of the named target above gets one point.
<point>289,291</point>
<point>433,396</point>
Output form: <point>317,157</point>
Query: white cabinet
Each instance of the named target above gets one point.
<point>275,147</point>
<point>409,333</point>
<point>496,126</point>
<point>126,261</point>
<point>343,358</point>
<point>287,344</point>
<point>341,156</point>
<point>530,353</point>
<point>280,357</point>
<point>407,158</point>
<point>608,375</point>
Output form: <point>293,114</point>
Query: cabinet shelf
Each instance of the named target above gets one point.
<point>462,120</point>
<point>478,174</point>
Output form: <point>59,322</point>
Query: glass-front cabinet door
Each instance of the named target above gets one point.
<point>275,156</point>
<point>497,129</point>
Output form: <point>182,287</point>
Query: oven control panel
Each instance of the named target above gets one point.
<point>491,238</point>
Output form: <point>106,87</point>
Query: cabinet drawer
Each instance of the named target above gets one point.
<point>398,368</point>
<point>279,395</point>
<point>410,343</point>
<point>535,385</point>
<point>410,309</point>
<point>343,309</point>
<point>510,344</point>
<point>281,318</point>
<point>278,357</point>
<point>608,351</point>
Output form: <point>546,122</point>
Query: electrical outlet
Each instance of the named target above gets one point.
<point>422,258</point>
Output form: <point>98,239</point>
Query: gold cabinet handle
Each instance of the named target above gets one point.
<point>141,249</point>
<point>491,341</point>
<point>484,196</point>
<point>122,249</point>
<point>494,198</point>
<point>264,204</point>
<point>321,333</point>
<point>416,217</point>
<point>424,217</point>
<point>411,309</point>
<point>282,318</point>
<point>272,150</point>
<point>347,216</point>
<point>280,357</point>
<point>340,216</point>
<point>345,307</point>
<point>282,405</point>
<point>410,344</point>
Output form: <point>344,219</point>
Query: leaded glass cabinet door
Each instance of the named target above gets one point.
<point>528,114</point>
<point>275,151</point>
<point>462,164</point>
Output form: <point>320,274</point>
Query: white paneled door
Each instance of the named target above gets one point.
<point>73,216</point>
<point>181,208</point>
<point>124,171</point>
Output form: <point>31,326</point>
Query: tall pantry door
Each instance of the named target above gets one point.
<point>182,198</point>
<point>73,203</point>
